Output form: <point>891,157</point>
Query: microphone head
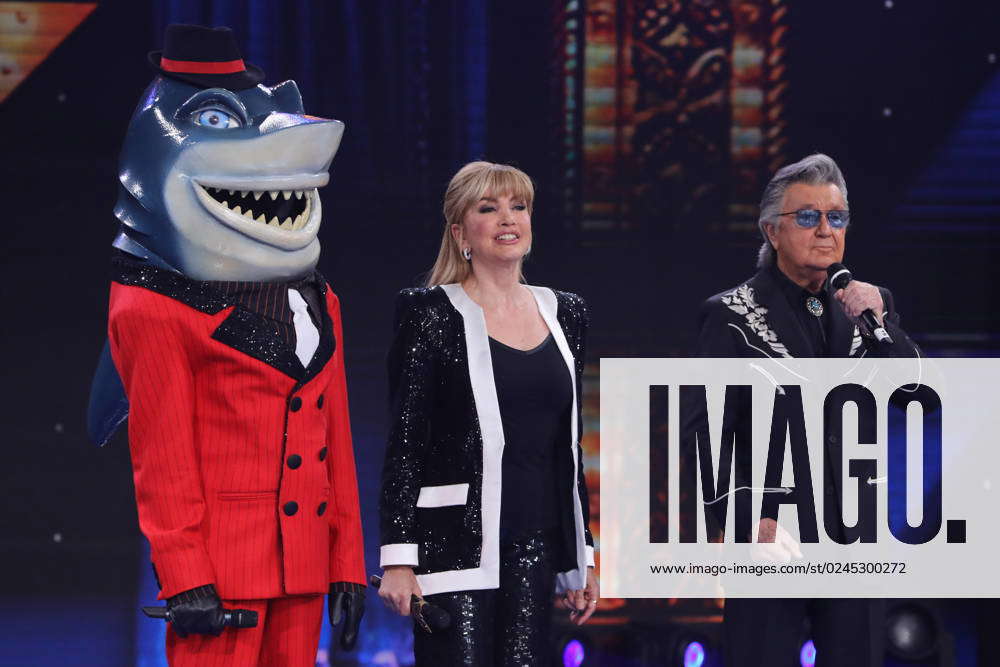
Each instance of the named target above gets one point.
<point>239,618</point>
<point>840,275</point>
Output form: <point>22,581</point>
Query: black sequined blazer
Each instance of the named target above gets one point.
<point>440,504</point>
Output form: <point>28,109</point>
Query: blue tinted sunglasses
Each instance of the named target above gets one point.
<point>807,218</point>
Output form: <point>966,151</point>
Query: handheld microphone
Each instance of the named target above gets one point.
<point>231,618</point>
<point>840,277</point>
<point>430,617</point>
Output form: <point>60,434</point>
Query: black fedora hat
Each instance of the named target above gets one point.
<point>206,57</point>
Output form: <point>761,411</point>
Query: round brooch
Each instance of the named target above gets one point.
<point>814,306</point>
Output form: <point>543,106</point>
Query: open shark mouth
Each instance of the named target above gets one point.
<point>283,218</point>
<point>285,209</point>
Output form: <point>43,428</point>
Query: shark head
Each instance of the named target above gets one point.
<point>223,185</point>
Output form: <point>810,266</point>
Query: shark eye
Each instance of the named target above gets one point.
<point>216,119</point>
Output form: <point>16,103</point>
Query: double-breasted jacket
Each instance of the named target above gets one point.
<point>242,458</point>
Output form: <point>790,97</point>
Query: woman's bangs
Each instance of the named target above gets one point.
<point>513,183</point>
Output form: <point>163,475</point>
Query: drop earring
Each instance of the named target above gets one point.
<point>467,254</point>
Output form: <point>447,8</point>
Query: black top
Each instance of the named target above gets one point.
<point>535,393</point>
<point>815,328</point>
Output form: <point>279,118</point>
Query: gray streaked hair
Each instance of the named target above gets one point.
<point>816,169</point>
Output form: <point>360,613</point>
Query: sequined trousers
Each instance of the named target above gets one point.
<point>505,627</point>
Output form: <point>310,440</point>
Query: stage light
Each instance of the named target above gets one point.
<point>694,654</point>
<point>686,648</point>
<point>807,656</point>
<point>645,644</point>
<point>912,632</point>
<point>573,653</point>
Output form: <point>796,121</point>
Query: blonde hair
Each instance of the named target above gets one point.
<point>467,187</point>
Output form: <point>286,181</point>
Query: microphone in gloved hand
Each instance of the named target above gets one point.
<point>840,278</point>
<point>231,618</point>
<point>346,602</point>
<point>199,611</point>
<point>428,616</point>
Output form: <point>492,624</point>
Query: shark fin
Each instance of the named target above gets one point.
<point>108,406</point>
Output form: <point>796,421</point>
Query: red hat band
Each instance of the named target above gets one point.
<point>196,67</point>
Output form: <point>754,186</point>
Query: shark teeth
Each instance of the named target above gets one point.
<point>288,210</point>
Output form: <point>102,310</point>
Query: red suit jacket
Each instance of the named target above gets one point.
<point>242,458</point>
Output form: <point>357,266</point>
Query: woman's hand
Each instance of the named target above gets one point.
<point>399,584</point>
<point>582,604</point>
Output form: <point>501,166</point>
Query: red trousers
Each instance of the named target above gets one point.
<point>287,635</point>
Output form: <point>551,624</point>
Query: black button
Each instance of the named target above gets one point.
<point>294,461</point>
<point>321,509</point>
<point>322,454</point>
<point>319,402</point>
<point>295,404</point>
<point>291,507</point>
<point>833,439</point>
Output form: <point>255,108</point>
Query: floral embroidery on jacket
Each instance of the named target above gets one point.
<point>855,342</point>
<point>741,300</point>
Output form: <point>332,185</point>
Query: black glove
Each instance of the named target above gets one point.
<point>346,602</point>
<point>197,611</point>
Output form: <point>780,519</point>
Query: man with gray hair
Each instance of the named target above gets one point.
<point>789,309</point>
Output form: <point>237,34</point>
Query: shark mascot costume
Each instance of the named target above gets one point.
<point>228,346</point>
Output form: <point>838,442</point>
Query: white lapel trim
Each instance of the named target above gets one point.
<point>484,394</point>
<point>549,307</point>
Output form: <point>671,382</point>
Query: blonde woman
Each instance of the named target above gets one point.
<point>484,507</point>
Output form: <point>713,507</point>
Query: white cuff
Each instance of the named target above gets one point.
<point>399,554</point>
<point>590,556</point>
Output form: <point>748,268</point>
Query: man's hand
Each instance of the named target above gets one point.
<point>774,544</point>
<point>346,602</point>
<point>196,611</point>
<point>858,297</point>
<point>581,604</point>
<point>399,585</point>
